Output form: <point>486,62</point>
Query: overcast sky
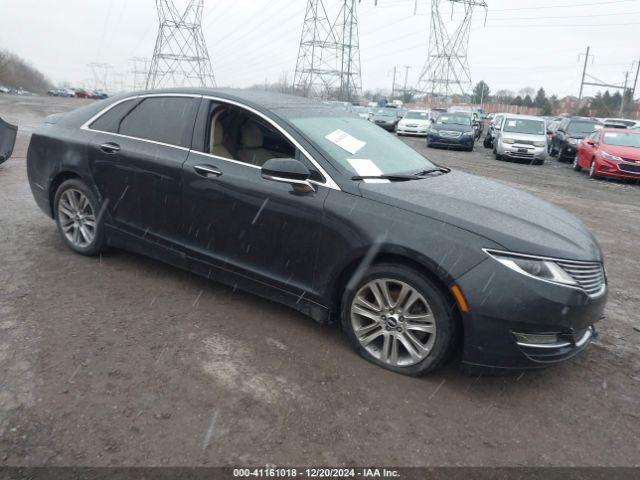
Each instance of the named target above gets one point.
<point>524,43</point>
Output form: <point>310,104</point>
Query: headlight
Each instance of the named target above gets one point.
<point>509,141</point>
<point>542,269</point>
<point>468,134</point>
<point>435,132</point>
<point>539,144</point>
<point>608,156</point>
<point>573,141</point>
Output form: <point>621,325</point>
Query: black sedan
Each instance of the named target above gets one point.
<point>309,205</point>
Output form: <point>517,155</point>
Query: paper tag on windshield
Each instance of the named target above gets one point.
<point>511,123</point>
<point>346,141</point>
<point>366,168</point>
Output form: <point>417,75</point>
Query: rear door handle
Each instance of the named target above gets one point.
<point>110,147</point>
<point>207,171</point>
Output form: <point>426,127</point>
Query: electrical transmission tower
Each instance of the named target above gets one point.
<point>140,72</point>
<point>328,63</point>
<point>446,71</point>
<point>180,58</point>
<point>102,76</point>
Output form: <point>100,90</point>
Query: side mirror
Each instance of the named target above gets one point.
<point>288,170</point>
<point>591,142</point>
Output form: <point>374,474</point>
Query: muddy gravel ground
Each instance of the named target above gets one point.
<point>122,360</point>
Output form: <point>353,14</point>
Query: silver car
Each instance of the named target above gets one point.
<point>521,137</point>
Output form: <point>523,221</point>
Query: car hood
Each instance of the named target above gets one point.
<point>449,127</point>
<point>516,220</point>
<point>630,153</point>
<point>409,121</point>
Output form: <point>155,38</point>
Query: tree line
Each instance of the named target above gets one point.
<point>601,105</point>
<point>17,73</point>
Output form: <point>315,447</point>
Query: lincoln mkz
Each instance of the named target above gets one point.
<point>308,205</point>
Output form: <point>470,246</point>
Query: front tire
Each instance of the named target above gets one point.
<point>77,214</point>
<point>592,170</point>
<point>576,165</point>
<point>397,319</point>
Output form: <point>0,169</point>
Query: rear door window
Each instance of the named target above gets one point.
<point>161,119</point>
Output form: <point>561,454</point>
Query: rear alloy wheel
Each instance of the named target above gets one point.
<point>576,165</point>
<point>398,320</point>
<point>76,210</point>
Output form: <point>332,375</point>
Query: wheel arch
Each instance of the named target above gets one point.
<point>58,180</point>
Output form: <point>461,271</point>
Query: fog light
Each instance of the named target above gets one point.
<point>605,167</point>
<point>536,338</point>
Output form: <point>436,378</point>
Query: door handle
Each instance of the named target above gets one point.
<point>207,171</point>
<point>110,147</point>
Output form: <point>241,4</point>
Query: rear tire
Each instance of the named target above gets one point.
<point>77,215</point>
<point>376,319</point>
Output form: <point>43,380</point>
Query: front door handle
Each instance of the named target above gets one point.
<point>110,147</point>
<point>207,171</point>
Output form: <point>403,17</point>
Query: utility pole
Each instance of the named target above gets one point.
<point>624,93</point>
<point>635,83</point>
<point>406,80</point>
<point>584,74</point>
<point>393,85</point>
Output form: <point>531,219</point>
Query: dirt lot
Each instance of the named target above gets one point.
<point>122,360</point>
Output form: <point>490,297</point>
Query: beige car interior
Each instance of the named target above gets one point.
<point>237,136</point>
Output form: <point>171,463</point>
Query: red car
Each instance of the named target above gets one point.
<point>610,152</point>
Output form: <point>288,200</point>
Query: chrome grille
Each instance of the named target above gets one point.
<point>590,276</point>
<point>447,133</point>
<point>524,142</point>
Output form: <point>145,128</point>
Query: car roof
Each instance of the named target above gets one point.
<point>286,106</point>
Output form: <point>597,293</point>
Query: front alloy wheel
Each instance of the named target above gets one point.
<point>397,319</point>
<point>393,322</point>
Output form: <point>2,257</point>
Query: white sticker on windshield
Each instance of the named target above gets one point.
<point>512,123</point>
<point>346,141</point>
<point>366,168</point>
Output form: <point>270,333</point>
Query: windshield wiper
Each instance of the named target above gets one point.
<point>393,178</point>
<point>401,177</point>
<point>431,171</point>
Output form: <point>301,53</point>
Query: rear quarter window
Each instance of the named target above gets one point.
<point>110,121</point>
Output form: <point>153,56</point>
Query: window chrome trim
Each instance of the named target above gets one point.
<point>329,182</point>
<point>491,251</point>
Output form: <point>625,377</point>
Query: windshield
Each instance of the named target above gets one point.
<point>622,139</point>
<point>386,113</point>
<point>364,142</point>
<point>532,127</point>
<point>417,116</point>
<point>581,128</point>
<point>454,119</point>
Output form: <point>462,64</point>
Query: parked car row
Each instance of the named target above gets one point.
<point>15,91</point>
<point>78,93</point>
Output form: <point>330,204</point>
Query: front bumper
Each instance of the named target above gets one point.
<point>509,311</point>
<point>463,141</point>
<point>620,170</point>
<point>389,127</point>
<point>523,152</point>
<point>570,150</point>
<point>416,131</point>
